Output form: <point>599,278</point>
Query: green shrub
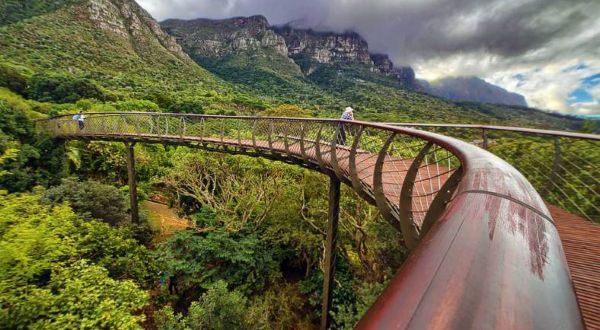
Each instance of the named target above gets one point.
<point>60,88</point>
<point>137,105</point>
<point>218,309</point>
<point>90,199</point>
<point>12,78</point>
<point>186,107</point>
<point>52,270</point>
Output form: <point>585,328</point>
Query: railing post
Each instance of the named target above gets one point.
<point>183,126</point>
<point>484,136</point>
<point>329,271</point>
<point>132,182</point>
<point>302,142</point>
<point>202,124</point>
<point>438,205</point>
<point>286,143</point>
<point>409,232</point>
<point>254,133</point>
<point>318,154</point>
<point>555,168</point>
<point>239,132</point>
<point>222,133</point>
<point>270,136</point>
<point>333,154</point>
<point>378,192</point>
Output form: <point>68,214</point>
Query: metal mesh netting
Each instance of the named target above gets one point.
<point>400,173</point>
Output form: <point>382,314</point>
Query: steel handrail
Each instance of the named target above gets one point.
<point>566,134</point>
<point>491,258</point>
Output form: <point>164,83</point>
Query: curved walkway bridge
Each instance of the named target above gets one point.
<point>486,249</point>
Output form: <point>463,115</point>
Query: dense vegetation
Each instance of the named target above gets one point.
<point>70,256</point>
<point>244,262</point>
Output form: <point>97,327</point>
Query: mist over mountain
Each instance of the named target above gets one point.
<point>472,89</point>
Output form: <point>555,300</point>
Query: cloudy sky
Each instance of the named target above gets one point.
<point>547,50</point>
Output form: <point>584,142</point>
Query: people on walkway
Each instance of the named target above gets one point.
<point>348,114</point>
<point>80,119</point>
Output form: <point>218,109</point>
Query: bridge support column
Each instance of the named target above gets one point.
<point>332,224</point>
<point>132,182</point>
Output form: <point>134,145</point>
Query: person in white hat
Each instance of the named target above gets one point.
<point>348,114</point>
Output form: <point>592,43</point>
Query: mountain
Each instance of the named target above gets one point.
<point>324,71</point>
<point>238,65</point>
<point>115,42</point>
<point>472,89</point>
<point>283,49</point>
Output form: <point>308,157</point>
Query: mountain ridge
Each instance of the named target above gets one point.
<point>472,89</point>
<point>210,39</point>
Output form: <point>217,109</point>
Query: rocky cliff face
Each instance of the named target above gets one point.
<point>326,47</point>
<point>127,19</point>
<point>406,74</point>
<point>472,89</point>
<point>253,36</point>
<point>218,38</point>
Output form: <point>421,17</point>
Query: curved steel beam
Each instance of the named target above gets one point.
<point>492,259</point>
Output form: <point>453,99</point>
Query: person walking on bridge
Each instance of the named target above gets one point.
<point>348,114</point>
<point>80,119</point>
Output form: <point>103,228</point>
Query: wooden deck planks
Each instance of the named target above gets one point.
<point>581,243</point>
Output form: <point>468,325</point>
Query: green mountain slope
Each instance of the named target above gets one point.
<point>114,42</point>
<point>16,10</point>
<point>246,52</point>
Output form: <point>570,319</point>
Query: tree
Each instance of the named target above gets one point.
<point>218,309</point>
<point>193,260</point>
<point>285,110</point>
<point>90,199</point>
<point>45,282</point>
<point>13,78</point>
<point>79,296</point>
<point>188,106</point>
<point>137,105</point>
<point>28,159</point>
<point>61,88</point>
<point>240,192</point>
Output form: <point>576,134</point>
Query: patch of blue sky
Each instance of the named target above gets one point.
<point>580,95</point>
<point>591,81</point>
<point>576,67</point>
<point>520,76</point>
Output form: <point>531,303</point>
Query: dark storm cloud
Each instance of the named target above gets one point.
<point>414,29</point>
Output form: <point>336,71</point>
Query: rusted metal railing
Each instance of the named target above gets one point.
<point>564,167</point>
<point>485,253</point>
